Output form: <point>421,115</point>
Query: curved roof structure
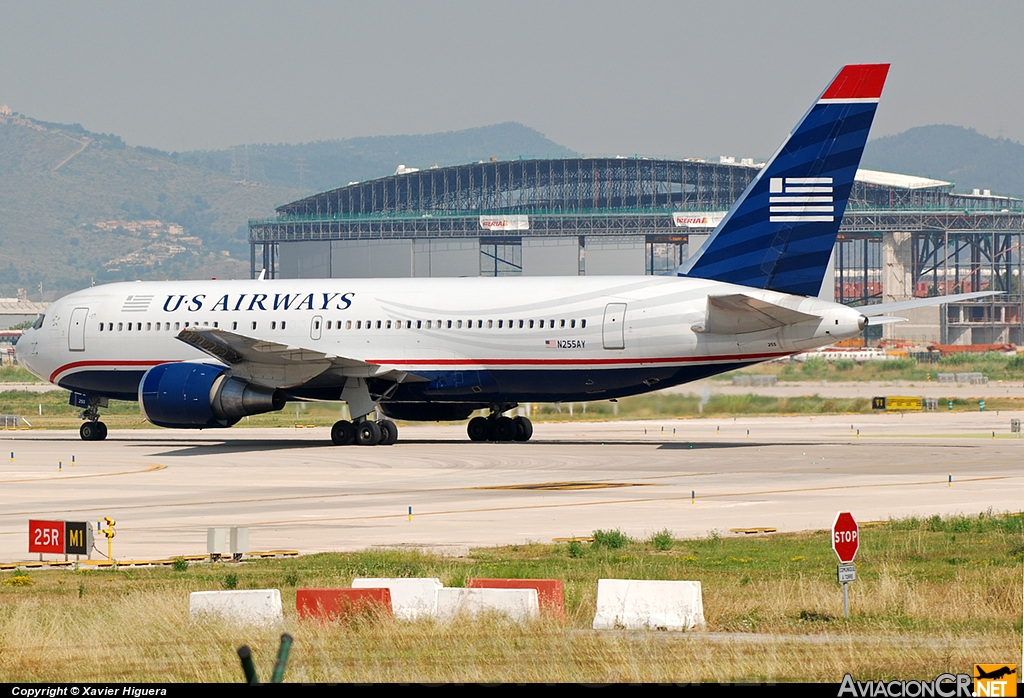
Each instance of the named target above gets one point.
<point>523,186</point>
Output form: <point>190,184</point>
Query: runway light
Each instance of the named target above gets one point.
<point>410,513</point>
<point>60,466</point>
<point>950,480</point>
<point>693,496</point>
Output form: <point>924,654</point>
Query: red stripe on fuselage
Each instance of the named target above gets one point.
<point>572,362</point>
<point>81,364</point>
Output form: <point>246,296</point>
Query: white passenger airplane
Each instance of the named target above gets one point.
<point>203,354</point>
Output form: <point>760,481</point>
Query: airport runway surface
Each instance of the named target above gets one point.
<point>295,491</point>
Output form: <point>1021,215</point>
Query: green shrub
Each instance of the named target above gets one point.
<point>613,540</point>
<point>662,540</point>
<point>231,581</point>
<point>179,564</point>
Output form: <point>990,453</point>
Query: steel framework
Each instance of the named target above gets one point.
<point>960,242</point>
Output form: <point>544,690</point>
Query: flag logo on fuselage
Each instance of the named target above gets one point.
<point>800,200</point>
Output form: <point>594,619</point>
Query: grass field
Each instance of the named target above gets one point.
<point>933,595</point>
<point>50,410</point>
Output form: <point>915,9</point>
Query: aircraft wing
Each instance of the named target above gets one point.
<point>276,364</point>
<point>738,313</point>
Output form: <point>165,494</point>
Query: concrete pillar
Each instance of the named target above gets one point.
<point>897,268</point>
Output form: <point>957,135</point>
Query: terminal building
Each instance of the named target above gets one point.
<point>901,237</point>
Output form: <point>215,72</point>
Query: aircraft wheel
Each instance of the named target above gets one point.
<point>88,431</point>
<point>343,433</point>
<point>367,433</point>
<point>504,429</point>
<point>102,431</point>
<point>388,432</point>
<point>524,428</point>
<point>478,429</point>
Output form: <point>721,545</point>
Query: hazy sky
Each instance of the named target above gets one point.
<point>655,78</point>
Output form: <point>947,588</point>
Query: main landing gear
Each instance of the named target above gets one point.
<point>364,433</point>
<point>93,429</point>
<point>499,428</point>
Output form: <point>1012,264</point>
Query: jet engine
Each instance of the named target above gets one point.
<point>201,396</point>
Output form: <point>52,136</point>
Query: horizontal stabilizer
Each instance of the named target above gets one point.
<point>898,306</point>
<point>875,320</point>
<point>737,313</point>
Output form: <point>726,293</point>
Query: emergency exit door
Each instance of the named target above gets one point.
<point>76,329</point>
<point>614,332</point>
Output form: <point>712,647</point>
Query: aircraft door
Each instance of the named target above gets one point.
<point>614,331</point>
<point>76,329</point>
<point>316,327</point>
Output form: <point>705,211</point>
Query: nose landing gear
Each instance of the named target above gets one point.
<point>93,429</point>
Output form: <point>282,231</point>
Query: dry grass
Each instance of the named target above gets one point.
<point>935,595</point>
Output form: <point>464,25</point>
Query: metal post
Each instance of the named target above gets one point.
<point>846,600</point>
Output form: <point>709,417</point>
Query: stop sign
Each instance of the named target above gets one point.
<point>845,537</point>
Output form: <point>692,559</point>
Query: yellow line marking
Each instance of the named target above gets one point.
<point>150,467</point>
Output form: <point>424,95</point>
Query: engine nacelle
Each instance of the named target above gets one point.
<point>201,396</point>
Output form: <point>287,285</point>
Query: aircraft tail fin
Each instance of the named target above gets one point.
<point>780,233</point>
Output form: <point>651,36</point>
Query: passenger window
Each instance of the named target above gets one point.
<point>562,323</point>
<point>234,325</point>
<point>101,327</point>
<point>542,324</point>
<point>428,324</point>
<point>419,324</point>
<point>119,326</point>
<point>521,324</point>
<point>284,323</point>
<point>458,324</point>
<point>501,324</point>
<point>216,324</point>
<point>583,323</point>
<point>149,326</point>
<point>359,324</point>
<point>572,323</point>
<point>531,324</point>
<point>254,325</point>
<point>378,324</point>
<point>273,325</point>
<point>387,325</point>
<point>369,324</point>
<point>490,324</point>
<point>177,326</point>
<point>450,324</point>
<point>511,324</point>
<point>348,324</point>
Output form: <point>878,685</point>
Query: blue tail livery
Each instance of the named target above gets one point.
<point>780,233</point>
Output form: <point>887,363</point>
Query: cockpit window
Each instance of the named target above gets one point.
<point>38,323</point>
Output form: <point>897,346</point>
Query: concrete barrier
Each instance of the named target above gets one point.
<point>261,606</point>
<point>550,592</point>
<point>411,598</point>
<point>660,605</point>
<point>327,604</point>
<point>518,604</point>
